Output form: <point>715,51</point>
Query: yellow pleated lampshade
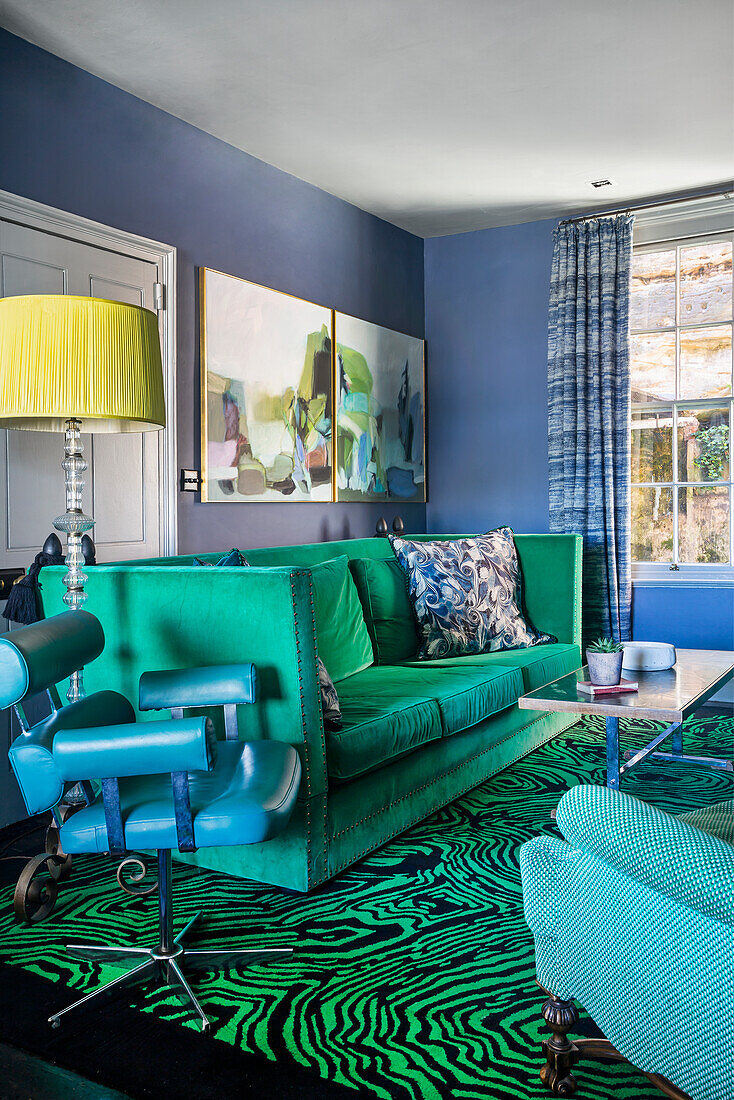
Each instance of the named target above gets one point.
<point>65,356</point>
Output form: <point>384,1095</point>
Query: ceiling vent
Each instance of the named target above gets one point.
<point>601,183</point>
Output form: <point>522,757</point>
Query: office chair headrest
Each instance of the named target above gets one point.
<point>33,658</point>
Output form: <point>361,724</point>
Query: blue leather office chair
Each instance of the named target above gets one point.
<point>164,784</point>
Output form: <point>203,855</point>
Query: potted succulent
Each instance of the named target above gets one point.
<point>604,658</point>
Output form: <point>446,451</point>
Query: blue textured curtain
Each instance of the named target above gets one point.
<point>588,411</point>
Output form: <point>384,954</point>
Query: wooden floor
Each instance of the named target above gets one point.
<point>24,1077</point>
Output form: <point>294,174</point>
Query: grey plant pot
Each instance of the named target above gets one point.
<point>605,669</point>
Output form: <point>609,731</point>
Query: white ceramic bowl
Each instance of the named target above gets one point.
<point>648,656</point>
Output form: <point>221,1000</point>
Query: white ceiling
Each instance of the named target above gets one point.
<point>438,115</point>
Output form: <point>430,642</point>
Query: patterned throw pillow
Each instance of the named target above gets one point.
<point>466,594</point>
<point>329,699</point>
<point>234,557</point>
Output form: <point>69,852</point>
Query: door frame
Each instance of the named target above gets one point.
<point>36,215</point>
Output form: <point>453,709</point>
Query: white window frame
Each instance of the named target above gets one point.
<point>686,223</point>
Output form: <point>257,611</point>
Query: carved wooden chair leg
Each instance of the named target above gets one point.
<point>560,1054</point>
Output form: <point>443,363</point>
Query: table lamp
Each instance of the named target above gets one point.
<point>69,364</point>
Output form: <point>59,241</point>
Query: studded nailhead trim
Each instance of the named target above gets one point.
<point>444,802</point>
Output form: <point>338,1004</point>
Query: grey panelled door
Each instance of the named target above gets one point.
<point>124,475</point>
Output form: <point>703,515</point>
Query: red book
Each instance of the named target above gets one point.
<point>602,689</point>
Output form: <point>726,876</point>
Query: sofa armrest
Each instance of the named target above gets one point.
<point>546,868</point>
<point>172,616</point>
<point>665,854</point>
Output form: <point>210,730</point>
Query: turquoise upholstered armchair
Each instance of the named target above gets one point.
<point>633,917</point>
<point>164,784</point>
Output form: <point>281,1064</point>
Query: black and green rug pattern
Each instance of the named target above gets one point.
<point>413,972</point>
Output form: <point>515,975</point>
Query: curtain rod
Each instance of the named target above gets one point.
<point>728,192</point>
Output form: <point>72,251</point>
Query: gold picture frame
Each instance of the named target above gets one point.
<point>267,394</point>
<point>379,413</point>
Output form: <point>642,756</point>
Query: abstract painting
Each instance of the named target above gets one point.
<point>266,394</point>
<point>380,414</point>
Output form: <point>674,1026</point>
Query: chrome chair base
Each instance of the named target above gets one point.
<point>165,961</point>
<point>165,965</point>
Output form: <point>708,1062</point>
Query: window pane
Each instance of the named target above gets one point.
<point>652,290</point>
<point>652,524</point>
<point>703,524</point>
<point>652,445</point>
<point>705,362</point>
<point>652,367</point>
<point>705,283</point>
<point>703,444</point>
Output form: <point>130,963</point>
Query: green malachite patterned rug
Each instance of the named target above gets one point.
<point>413,974</point>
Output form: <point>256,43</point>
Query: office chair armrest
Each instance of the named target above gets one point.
<point>145,748</point>
<point>213,686</point>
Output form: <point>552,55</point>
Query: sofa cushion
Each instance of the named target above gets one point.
<point>391,710</point>
<point>466,594</point>
<point>387,610</point>
<point>341,633</point>
<point>465,695</point>
<point>466,699</point>
<point>384,716</point>
<point>538,666</point>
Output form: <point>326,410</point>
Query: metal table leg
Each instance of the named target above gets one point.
<point>675,732</point>
<point>613,752</point>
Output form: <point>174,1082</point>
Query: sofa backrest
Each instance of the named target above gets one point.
<point>551,567</point>
<point>301,555</point>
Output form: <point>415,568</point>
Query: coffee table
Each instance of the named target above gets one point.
<point>670,696</point>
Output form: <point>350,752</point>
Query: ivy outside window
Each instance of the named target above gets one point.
<point>682,404</point>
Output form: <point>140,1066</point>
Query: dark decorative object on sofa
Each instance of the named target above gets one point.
<point>232,557</point>
<point>329,699</point>
<point>381,528</point>
<point>466,594</point>
<point>22,603</point>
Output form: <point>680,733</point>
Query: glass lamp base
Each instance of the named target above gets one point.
<point>74,523</point>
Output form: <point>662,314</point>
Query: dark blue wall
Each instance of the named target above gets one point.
<point>486,325</point>
<point>697,617</point>
<point>486,316</point>
<point>75,142</point>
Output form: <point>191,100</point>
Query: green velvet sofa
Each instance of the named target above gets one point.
<point>415,735</point>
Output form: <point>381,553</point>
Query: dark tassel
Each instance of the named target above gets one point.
<point>22,603</point>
